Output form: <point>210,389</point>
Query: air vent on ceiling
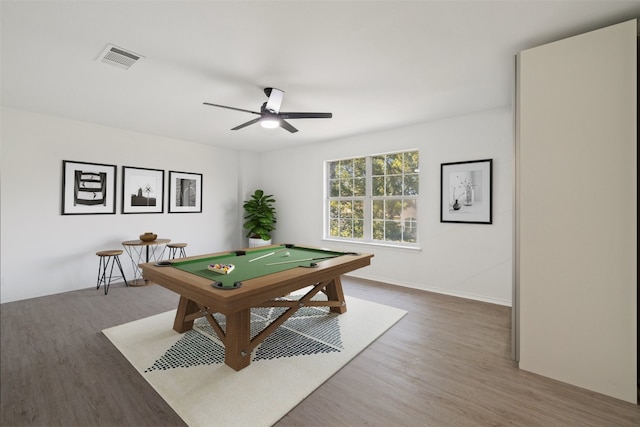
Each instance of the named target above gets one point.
<point>119,57</point>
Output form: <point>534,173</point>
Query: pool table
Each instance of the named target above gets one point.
<point>260,278</point>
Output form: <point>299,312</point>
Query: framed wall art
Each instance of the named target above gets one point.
<point>185,192</point>
<point>142,190</point>
<point>465,192</point>
<point>88,188</point>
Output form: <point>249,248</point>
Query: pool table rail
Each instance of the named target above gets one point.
<point>254,291</point>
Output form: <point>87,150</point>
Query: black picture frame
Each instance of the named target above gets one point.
<point>466,192</point>
<point>88,188</point>
<point>142,190</point>
<point>185,192</point>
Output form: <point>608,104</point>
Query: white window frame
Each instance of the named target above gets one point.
<point>367,199</point>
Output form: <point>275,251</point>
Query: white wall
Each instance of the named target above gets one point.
<point>577,211</point>
<point>249,171</point>
<point>44,252</point>
<point>466,260</point>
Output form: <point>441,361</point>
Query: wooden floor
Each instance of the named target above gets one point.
<point>446,363</point>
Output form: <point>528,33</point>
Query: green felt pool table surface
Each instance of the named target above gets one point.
<point>255,263</point>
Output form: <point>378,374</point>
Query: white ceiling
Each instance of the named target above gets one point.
<point>373,64</point>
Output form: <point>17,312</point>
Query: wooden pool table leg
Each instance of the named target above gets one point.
<point>185,308</point>
<point>238,339</point>
<point>334,293</point>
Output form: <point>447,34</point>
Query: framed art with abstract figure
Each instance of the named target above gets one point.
<point>88,188</point>
<point>142,190</point>
<point>465,192</point>
<point>185,192</point>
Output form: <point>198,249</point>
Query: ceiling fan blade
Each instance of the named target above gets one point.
<point>275,99</point>
<point>287,126</point>
<point>250,122</point>
<point>230,108</point>
<point>305,115</point>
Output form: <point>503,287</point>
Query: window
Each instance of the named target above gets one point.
<point>373,198</point>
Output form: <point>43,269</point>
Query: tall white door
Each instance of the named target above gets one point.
<point>575,293</point>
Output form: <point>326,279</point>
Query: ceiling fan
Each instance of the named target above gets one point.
<point>270,115</point>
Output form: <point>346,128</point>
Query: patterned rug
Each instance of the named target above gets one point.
<point>188,369</point>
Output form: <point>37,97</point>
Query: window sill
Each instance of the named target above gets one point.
<point>381,245</point>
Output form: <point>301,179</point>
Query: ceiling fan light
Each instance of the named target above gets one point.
<point>270,123</point>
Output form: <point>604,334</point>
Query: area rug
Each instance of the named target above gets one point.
<point>188,369</point>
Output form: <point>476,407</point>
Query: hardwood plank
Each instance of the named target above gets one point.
<point>57,368</point>
<point>446,363</point>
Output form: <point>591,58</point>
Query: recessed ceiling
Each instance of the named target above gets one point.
<point>374,64</point>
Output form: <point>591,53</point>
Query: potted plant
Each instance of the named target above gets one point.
<point>260,218</point>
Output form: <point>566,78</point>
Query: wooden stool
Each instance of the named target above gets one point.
<point>106,258</point>
<point>177,248</point>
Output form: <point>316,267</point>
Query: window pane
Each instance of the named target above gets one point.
<point>345,209</point>
<point>378,230</point>
<point>409,222</point>
<point>394,185</point>
<point>410,230</point>
<point>377,165</point>
<point>392,231</point>
<point>411,162</point>
<point>411,185</point>
<point>378,209</point>
<point>377,186</point>
<point>409,209</point>
<point>358,209</point>
<point>394,164</point>
<point>346,188</point>
<point>360,167</point>
<point>334,209</point>
<point>344,171</point>
<point>358,229</point>
<point>334,188</point>
<point>346,228</point>
<point>359,187</point>
<point>348,167</point>
<point>393,209</point>
<point>334,228</point>
<point>333,174</point>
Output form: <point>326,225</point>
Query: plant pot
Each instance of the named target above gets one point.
<point>257,242</point>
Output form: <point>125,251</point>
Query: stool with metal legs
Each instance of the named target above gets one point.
<point>177,249</point>
<point>108,259</point>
